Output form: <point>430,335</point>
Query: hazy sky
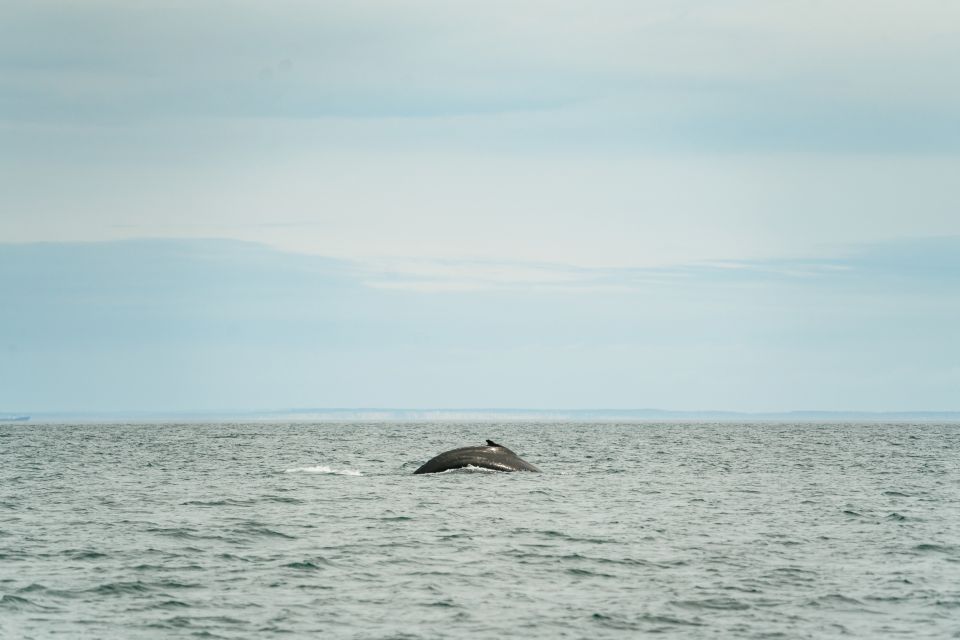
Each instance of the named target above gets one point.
<point>739,204</point>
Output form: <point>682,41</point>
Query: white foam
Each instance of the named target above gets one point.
<point>324,469</point>
<point>471,469</point>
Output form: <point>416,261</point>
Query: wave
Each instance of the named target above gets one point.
<point>118,588</point>
<point>84,554</point>
<point>731,604</point>
<point>324,469</point>
<point>308,564</point>
<point>939,548</point>
<point>185,533</point>
<point>16,603</point>
<point>265,531</point>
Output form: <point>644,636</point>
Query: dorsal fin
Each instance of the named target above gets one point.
<point>491,443</point>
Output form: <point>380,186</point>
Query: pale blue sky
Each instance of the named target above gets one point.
<point>746,205</point>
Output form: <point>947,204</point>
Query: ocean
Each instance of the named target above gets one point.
<point>297,530</point>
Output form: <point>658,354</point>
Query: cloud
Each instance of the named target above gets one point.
<point>617,134</point>
<point>221,325</point>
<point>928,263</point>
<point>438,195</point>
<point>740,75</point>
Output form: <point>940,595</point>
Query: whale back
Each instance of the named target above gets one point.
<point>492,456</point>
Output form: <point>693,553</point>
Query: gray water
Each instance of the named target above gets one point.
<point>300,530</point>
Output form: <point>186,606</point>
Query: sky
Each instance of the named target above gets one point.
<point>738,205</point>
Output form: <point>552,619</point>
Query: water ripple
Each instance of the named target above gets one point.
<point>682,530</point>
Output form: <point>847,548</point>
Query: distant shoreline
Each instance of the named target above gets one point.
<point>488,415</point>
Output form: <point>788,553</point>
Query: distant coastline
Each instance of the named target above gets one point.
<point>501,415</point>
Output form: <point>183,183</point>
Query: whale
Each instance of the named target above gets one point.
<point>490,456</point>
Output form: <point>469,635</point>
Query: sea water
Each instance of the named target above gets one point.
<point>321,530</point>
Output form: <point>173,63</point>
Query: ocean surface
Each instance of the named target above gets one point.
<point>320,530</point>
